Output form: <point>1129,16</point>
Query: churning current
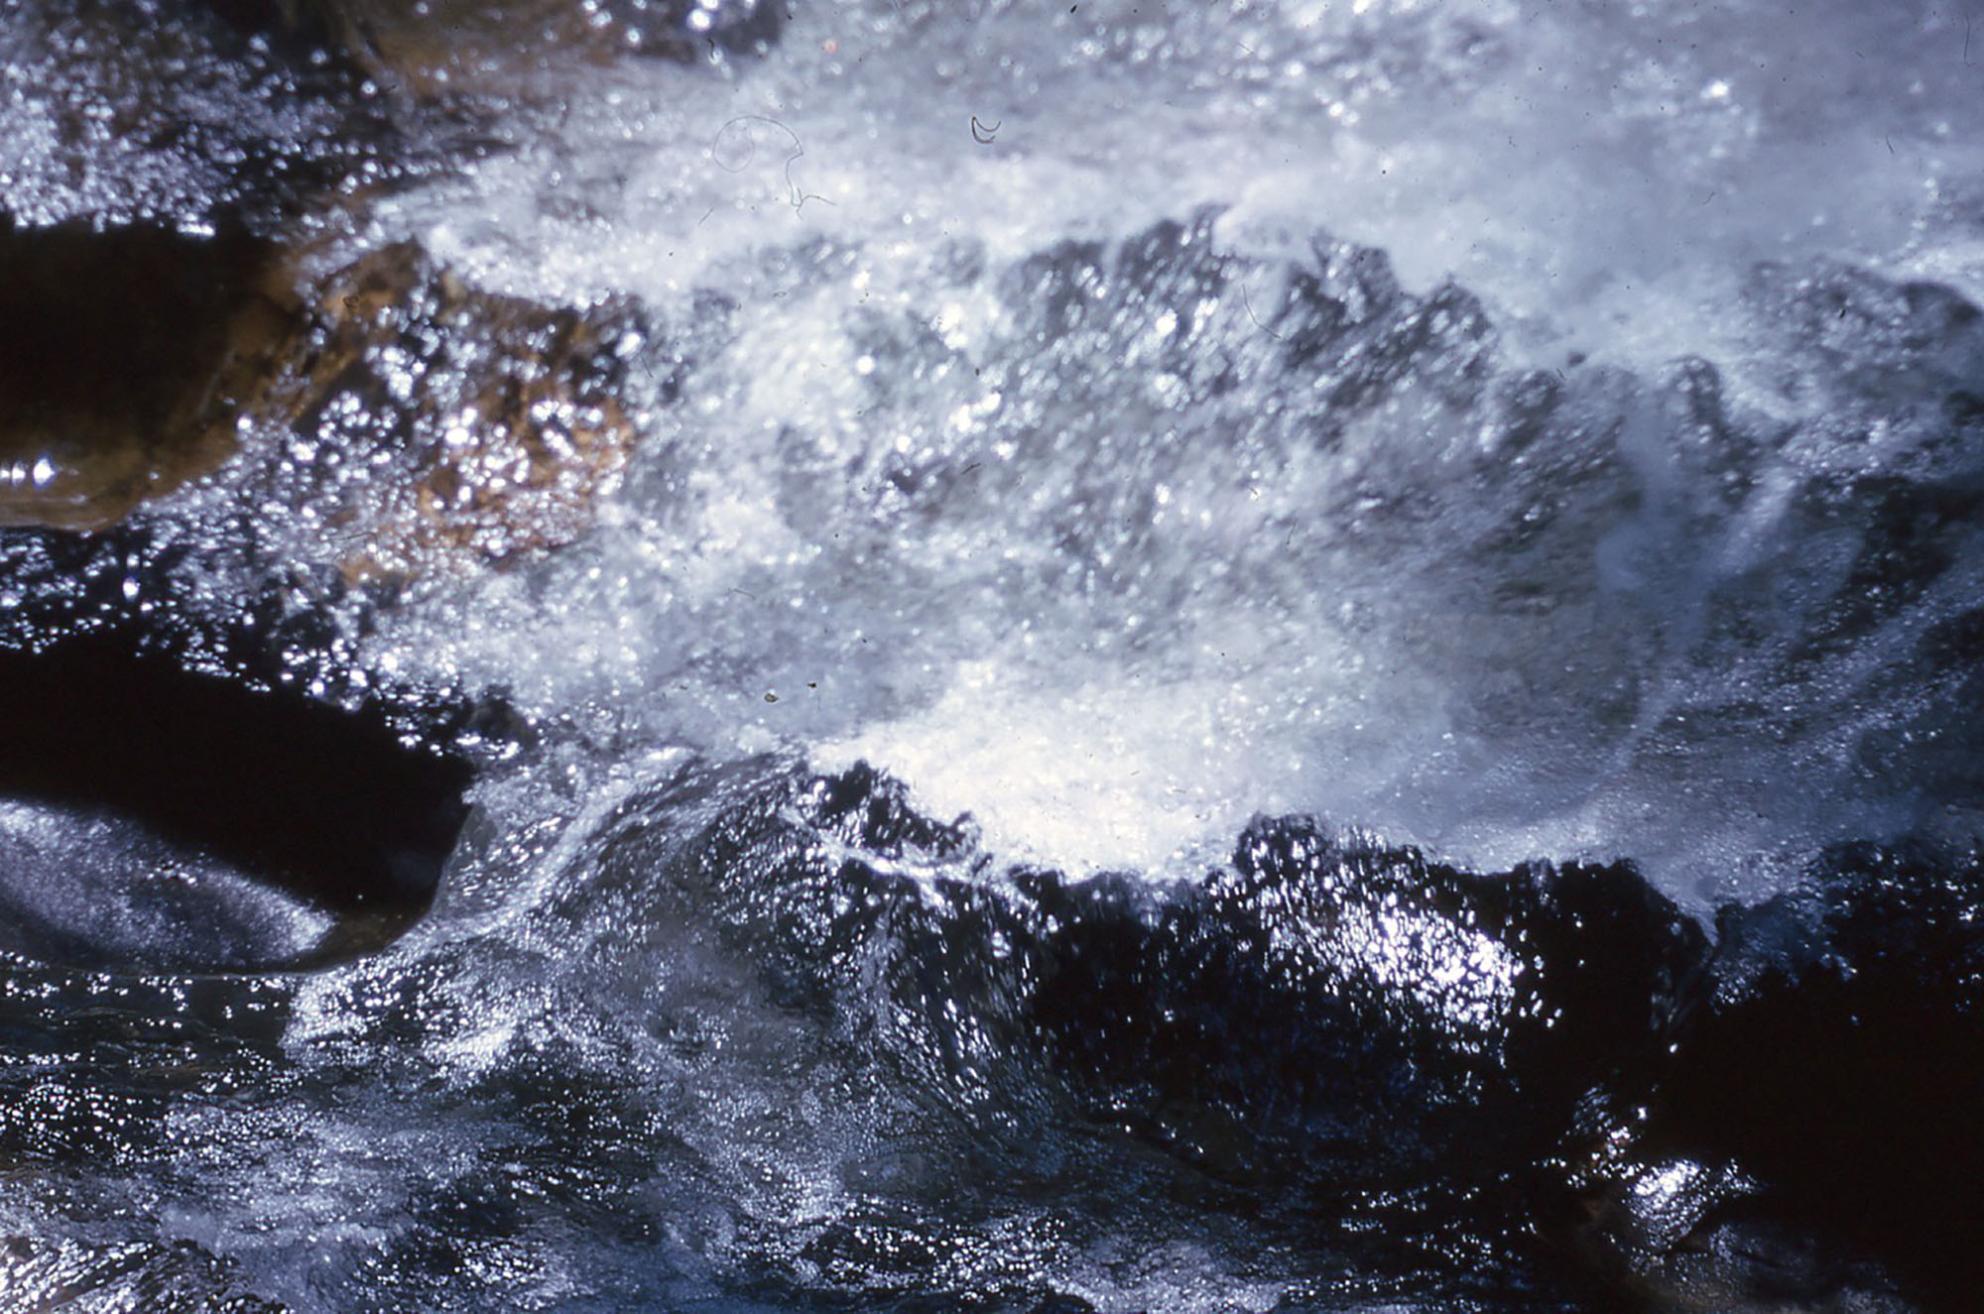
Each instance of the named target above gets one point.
<point>1001,656</point>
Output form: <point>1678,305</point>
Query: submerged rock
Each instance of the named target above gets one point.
<point>161,279</point>
<point>1365,1054</point>
<point>155,818</point>
<point>437,46</point>
<point>1323,1007</point>
<point>431,422</point>
<point>807,1046</point>
<point>1840,1060</point>
<point>163,113</point>
<point>1549,1065</point>
<point>126,355</point>
<point>426,420</point>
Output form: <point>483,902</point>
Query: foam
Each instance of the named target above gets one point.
<point>1605,180</point>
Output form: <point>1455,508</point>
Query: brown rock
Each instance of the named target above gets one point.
<point>425,422</point>
<point>436,46</point>
<point>463,425</point>
<point>124,355</point>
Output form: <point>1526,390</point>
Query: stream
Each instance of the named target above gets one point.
<point>923,655</point>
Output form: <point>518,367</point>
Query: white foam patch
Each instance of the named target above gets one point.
<point>1602,177</point>
<point>1093,778</point>
<point>1605,178</point>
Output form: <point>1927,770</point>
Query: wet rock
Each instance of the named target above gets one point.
<point>1851,330</point>
<point>1884,373</point>
<point>427,420</point>
<point>1322,1011</point>
<point>1742,1263</point>
<point>150,817</point>
<point>436,46</point>
<point>1840,1060</point>
<point>1708,441</point>
<point>198,772</point>
<point>161,112</point>
<point>1911,533</point>
<point>1059,289</point>
<point>1379,1043</point>
<point>44,1274</point>
<point>126,356</point>
<point>430,422</point>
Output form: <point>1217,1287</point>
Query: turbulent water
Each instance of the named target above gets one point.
<point>1075,570</point>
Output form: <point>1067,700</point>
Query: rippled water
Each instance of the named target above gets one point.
<point>997,571</point>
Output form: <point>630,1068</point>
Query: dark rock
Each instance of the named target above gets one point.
<point>1322,1011</point>
<point>433,419</point>
<point>1911,533</point>
<point>327,806</point>
<point>125,356</point>
<point>161,112</point>
<point>1707,439</point>
<point>1356,1033</point>
<point>1057,288</point>
<point>1853,339</point>
<point>41,1273</point>
<point>1840,1060</point>
<point>437,46</point>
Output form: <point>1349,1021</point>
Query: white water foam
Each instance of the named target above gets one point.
<point>1604,177</point>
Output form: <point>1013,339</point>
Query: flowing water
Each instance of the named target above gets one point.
<point>1050,544</point>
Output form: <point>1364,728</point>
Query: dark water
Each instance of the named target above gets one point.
<point>728,694</point>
